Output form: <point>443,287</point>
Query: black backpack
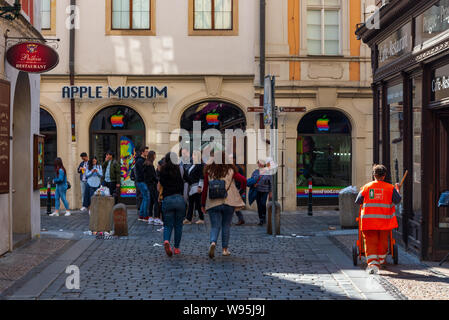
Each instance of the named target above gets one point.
<point>217,189</point>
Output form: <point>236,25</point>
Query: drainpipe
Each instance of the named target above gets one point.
<point>72,152</point>
<point>72,66</point>
<point>262,42</point>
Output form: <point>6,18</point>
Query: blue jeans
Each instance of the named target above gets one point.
<point>145,199</point>
<point>221,218</point>
<point>61,194</point>
<point>173,212</point>
<point>84,190</point>
<point>88,193</point>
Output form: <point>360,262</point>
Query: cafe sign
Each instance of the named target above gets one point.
<point>32,57</point>
<point>396,45</point>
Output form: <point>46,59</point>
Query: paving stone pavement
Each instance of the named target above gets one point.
<point>302,263</point>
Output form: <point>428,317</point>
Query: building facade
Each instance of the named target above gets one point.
<point>206,65</point>
<point>411,115</point>
<point>320,65</point>
<point>19,102</point>
<point>145,77</point>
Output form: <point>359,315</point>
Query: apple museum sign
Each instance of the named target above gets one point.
<point>121,92</point>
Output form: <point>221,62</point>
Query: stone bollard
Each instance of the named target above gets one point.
<point>101,213</point>
<point>349,211</point>
<point>277,218</point>
<point>120,215</point>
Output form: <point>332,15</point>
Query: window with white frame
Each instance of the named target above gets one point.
<point>46,14</point>
<point>323,27</point>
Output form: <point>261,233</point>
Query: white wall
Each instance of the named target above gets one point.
<point>171,51</point>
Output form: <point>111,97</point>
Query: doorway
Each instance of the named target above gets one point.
<point>22,166</point>
<point>442,182</point>
<point>121,130</point>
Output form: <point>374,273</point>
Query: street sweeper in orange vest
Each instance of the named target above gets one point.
<point>377,217</point>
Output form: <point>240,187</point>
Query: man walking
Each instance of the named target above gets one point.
<point>141,185</point>
<point>112,175</point>
<point>83,180</point>
<point>377,217</point>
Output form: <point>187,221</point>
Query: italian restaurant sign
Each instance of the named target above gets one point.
<point>32,57</point>
<point>396,45</point>
<point>121,92</point>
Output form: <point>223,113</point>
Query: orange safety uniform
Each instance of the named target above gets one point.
<point>377,219</point>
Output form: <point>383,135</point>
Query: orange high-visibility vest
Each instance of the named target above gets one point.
<point>378,211</point>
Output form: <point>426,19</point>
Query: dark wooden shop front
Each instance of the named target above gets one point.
<point>410,61</point>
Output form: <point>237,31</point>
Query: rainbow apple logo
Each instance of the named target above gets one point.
<point>212,119</point>
<point>323,124</point>
<point>117,120</point>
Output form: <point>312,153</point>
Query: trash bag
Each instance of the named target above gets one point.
<point>350,189</point>
<point>103,191</point>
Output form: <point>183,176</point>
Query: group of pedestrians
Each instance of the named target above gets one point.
<point>92,176</point>
<point>212,188</point>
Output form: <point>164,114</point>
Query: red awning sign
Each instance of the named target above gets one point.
<point>32,57</point>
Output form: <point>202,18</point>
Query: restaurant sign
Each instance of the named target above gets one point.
<point>32,57</point>
<point>396,45</point>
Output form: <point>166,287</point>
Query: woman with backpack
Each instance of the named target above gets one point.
<point>94,174</point>
<point>219,199</point>
<point>61,188</point>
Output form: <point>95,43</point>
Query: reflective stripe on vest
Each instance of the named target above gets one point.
<point>377,205</point>
<point>378,216</point>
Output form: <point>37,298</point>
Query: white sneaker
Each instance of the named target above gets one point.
<point>372,270</point>
<point>151,220</point>
<point>83,209</point>
<point>158,222</point>
<point>67,213</point>
<point>54,214</point>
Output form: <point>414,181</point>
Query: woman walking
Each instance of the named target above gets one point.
<point>173,204</point>
<point>61,188</point>
<point>94,174</point>
<point>194,177</point>
<point>219,199</point>
<point>263,188</point>
<point>151,179</point>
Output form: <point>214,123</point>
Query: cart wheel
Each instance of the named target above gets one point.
<point>355,254</point>
<point>395,254</point>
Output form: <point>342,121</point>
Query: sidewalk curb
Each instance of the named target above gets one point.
<point>32,289</point>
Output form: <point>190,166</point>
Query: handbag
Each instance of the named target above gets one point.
<point>218,190</point>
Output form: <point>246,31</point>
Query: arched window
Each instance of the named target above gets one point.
<point>324,154</point>
<point>121,130</point>
<point>221,116</point>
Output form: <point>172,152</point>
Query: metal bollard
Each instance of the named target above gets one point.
<point>49,196</point>
<point>310,210</point>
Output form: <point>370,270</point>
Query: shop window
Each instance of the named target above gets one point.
<point>47,128</point>
<point>324,154</point>
<point>216,115</point>
<point>48,17</point>
<point>323,27</point>
<point>130,17</point>
<point>213,17</point>
<point>417,131</point>
<point>396,108</point>
<point>121,130</point>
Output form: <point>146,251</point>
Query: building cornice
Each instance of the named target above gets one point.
<point>136,78</point>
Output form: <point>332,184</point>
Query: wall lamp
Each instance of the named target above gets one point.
<point>11,12</point>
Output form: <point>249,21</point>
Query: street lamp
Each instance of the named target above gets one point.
<point>11,12</point>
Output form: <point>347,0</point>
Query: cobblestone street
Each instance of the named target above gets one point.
<point>310,260</point>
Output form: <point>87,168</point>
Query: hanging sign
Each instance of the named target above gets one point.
<point>32,57</point>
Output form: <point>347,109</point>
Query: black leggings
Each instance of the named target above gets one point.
<point>194,203</point>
